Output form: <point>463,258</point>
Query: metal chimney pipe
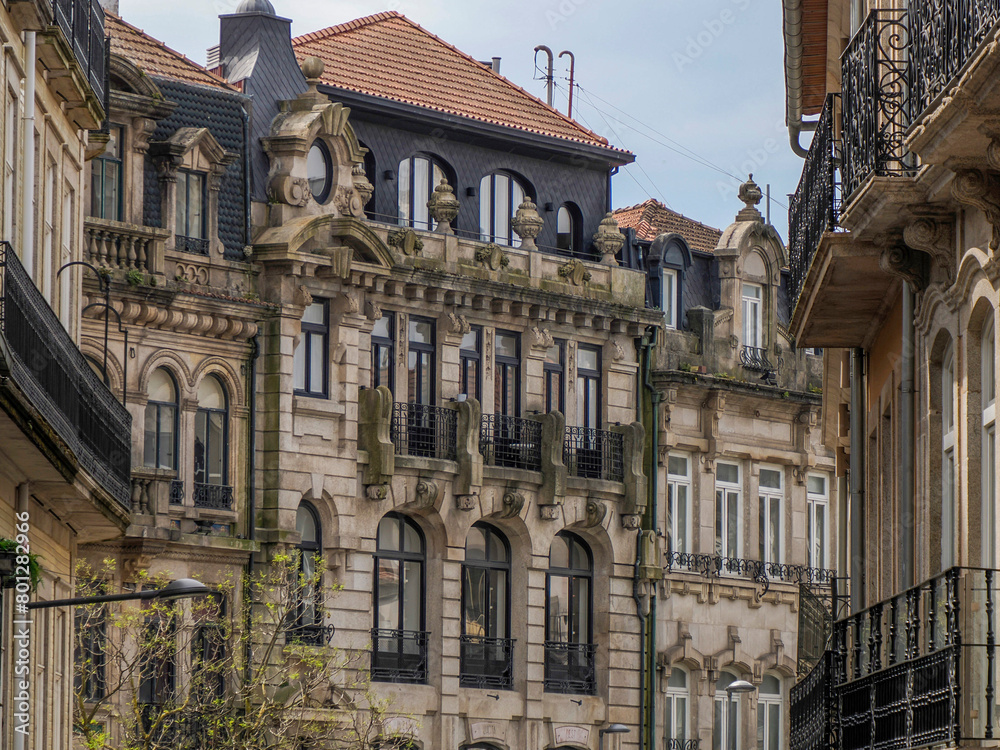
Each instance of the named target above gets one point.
<point>496,65</point>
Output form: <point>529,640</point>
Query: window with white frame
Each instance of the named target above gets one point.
<point>818,512</point>
<point>948,459</point>
<point>668,289</point>
<point>725,734</point>
<point>728,532</point>
<point>769,725</point>
<point>500,195</point>
<point>753,335</point>
<point>48,260</point>
<point>989,444</point>
<point>678,504</point>
<point>66,252</point>
<point>417,177</point>
<point>770,495</point>
<point>309,365</point>
<point>11,122</point>
<point>675,720</point>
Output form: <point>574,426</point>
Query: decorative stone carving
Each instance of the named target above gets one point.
<point>443,206</point>
<point>406,240</point>
<point>541,339</point>
<point>492,256</point>
<point>347,201</point>
<point>377,492</point>
<point>609,240</point>
<point>372,311</point>
<point>294,191</point>
<point>513,502</point>
<point>553,489</point>
<point>302,297</point>
<point>934,238</point>
<point>469,480</point>
<point>548,512</point>
<point>575,272</point>
<point>751,195</point>
<point>374,424</point>
<point>362,186</point>
<point>427,494</point>
<point>466,502</point>
<point>596,513</point>
<point>630,521</point>
<point>527,223</point>
<point>980,189</point>
<point>899,260</point>
<point>614,351</point>
<point>634,476</point>
<point>458,324</point>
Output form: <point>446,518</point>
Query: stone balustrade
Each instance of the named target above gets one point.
<point>126,247</point>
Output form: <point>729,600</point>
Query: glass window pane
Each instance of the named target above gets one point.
<point>381,328</point>
<point>299,364</point>
<point>196,224</point>
<point>305,524</point>
<point>677,465</point>
<point>411,539</point>
<point>210,394</point>
<point>498,551</point>
<point>770,478</point>
<point>149,436</point>
<point>817,484</point>
<point>581,627</point>
<point>216,448</point>
<point>501,200</point>
<point>388,534</point>
<point>677,679</point>
<point>579,558</point>
<point>729,473</point>
<point>470,341</point>
<point>475,544</point>
<point>316,356</point>
<point>718,725</point>
<point>112,171</point>
<point>317,171</point>
<point>388,593</point>
<point>315,314</point>
<point>485,201</point>
<point>587,359</point>
<point>820,559</point>
<point>681,719</point>
<point>420,192</point>
<point>412,595</point>
<point>168,415</point>
<point>732,518</point>
<point>161,387</point>
<point>558,601</point>
<point>475,601</point>
<point>181,226</point>
<point>421,331</point>
<point>681,503</point>
<point>506,345</point>
<point>773,726</point>
<point>553,355</point>
<point>403,191</point>
<point>499,605</point>
<point>559,553</point>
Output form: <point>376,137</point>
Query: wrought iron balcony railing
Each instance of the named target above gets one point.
<point>570,668</point>
<point>874,94</point>
<point>422,430</point>
<point>214,496</point>
<point>813,207</point>
<point>312,634</point>
<point>194,245</point>
<point>755,359</point>
<point>672,743</point>
<point>812,714</point>
<point>176,492</point>
<point>513,442</point>
<point>594,454</point>
<point>761,572</point>
<point>47,366</point>
<point>487,662</point>
<point>399,655</point>
<point>944,36</point>
<point>82,21</point>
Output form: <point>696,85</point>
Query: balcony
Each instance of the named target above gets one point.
<point>511,442</point>
<point>176,492</point>
<point>763,573</point>
<point>424,431</point>
<point>487,663</point>
<point>917,669</point>
<point>312,634</point>
<point>594,454</point>
<point>44,363</point>
<point>755,359</point>
<point>125,247</point>
<point>399,655</point>
<point>811,699</point>
<point>671,743</point>
<point>212,496</point>
<point>570,668</point>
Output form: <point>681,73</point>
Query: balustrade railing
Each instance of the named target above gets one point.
<point>399,655</point>
<point>763,573</point>
<point>176,492</point>
<point>594,454</point>
<point>486,662</point>
<point>570,668</point>
<point>194,245</point>
<point>115,244</point>
<point>672,743</point>
<point>423,430</point>
<point>82,21</point>
<point>47,366</point>
<point>812,716</point>
<point>755,359</point>
<point>214,496</point>
<point>513,442</point>
<point>312,634</point>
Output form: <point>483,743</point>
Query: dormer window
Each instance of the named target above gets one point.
<point>418,176</point>
<point>568,231</point>
<point>500,194</point>
<point>191,227</point>
<point>106,179</point>
<point>319,170</point>
<point>753,334</point>
<point>668,287</point>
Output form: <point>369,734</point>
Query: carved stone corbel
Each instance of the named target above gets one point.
<point>936,239</point>
<point>427,494</point>
<point>541,338</point>
<point>513,503</point>
<point>374,423</point>
<point>596,513</point>
<point>899,260</point>
<point>980,189</point>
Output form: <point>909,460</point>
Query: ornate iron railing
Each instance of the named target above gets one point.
<point>313,634</point>
<point>486,662</point>
<point>194,245</point>
<point>82,21</point>
<point>215,496</point>
<point>513,442</point>
<point>812,208</point>
<point>812,715</point>
<point>944,36</point>
<point>47,366</point>
<point>399,655</point>
<point>763,573</point>
<point>755,359</point>
<point>672,743</point>
<point>570,668</point>
<point>176,492</point>
<point>594,454</point>
<point>875,102</point>
<point>422,430</point>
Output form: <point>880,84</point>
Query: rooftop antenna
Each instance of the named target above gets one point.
<point>768,210</point>
<point>572,67</point>
<point>549,77</point>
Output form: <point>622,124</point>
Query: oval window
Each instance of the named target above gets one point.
<point>318,170</point>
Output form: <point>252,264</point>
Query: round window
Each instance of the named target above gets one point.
<point>319,168</point>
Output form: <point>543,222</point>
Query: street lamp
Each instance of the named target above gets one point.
<point>613,729</point>
<point>182,588</point>
<point>736,686</point>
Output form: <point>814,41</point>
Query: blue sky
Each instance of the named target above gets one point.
<point>681,83</point>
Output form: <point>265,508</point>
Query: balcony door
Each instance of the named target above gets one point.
<point>486,644</point>
<point>569,606</point>
<point>399,646</point>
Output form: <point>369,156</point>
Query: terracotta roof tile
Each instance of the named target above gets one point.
<point>156,58</point>
<point>389,56</point>
<point>651,219</point>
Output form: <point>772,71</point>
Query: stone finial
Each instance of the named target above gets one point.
<point>363,187</point>
<point>312,69</point>
<point>751,195</point>
<point>443,206</point>
<point>608,240</point>
<point>527,223</point>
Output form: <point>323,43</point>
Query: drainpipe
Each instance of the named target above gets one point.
<point>857,468</point>
<point>28,207</point>
<point>792,22</point>
<point>251,490</point>
<point>653,524</point>
<point>24,642</point>
<point>246,181</point>
<point>641,600</point>
<point>907,437</point>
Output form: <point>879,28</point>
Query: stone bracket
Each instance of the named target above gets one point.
<point>553,489</point>
<point>374,423</point>
<point>470,461</point>
<point>980,189</point>
<point>633,438</point>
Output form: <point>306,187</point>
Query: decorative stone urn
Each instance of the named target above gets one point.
<point>363,187</point>
<point>443,206</point>
<point>608,240</point>
<point>527,223</point>
<point>751,195</point>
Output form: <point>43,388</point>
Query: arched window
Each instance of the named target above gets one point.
<point>486,645</point>
<point>769,725</point>
<point>309,615</point>
<point>399,643</point>
<point>569,607</point>
<point>726,727</point>
<point>416,179</point>
<point>675,725</point>
<point>568,231</point>
<point>160,433</point>
<point>988,353</point>
<point>211,445</point>
<point>500,194</point>
<point>948,495</point>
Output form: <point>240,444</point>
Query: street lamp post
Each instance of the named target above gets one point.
<point>182,588</point>
<point>613,729</point>
<point>736,686</point>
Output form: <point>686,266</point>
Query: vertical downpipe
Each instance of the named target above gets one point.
<point>251,504</point>
<point>857,561</point>
<point>907,437</point>
<point>28,192</point>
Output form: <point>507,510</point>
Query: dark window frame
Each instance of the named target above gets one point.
<point>422,348</point>
<point>489,566</point>
<point>574,246</point>
<point>98,174</point>
<point>378,343</point>
<point>550,371</point>
<point>308,331</point>
<point>434,162</point>
<point>597,375</point>
<point>309,549</point>
<point>468,358</point>
<point>324,150</point>
<point>501,377</point>
<point>159,406</point>
<point>224,411</point>
<point>510,239</point>
<point>572,574</point>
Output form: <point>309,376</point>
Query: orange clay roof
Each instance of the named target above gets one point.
<point>389,56</point>
<point>154,57</point>
<point>651,219</point>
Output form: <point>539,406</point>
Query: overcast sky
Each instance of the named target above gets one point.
<point>658,77</point>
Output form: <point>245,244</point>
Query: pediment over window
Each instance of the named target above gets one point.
<point>328,236</point>
<point>194,149</point>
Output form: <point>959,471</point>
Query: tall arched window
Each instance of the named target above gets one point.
<point>160,433</point>
<point>568,231</point>
<point>989,445</point>
<point>399,642</point>
<point>569,607</point>
<point>486,644</point>
<point>309,615</point>
<point>500,194</point>
<point>211,443</point>
<point>726,732</point>
<point>948,495</point>
<point>416,179</point>
<point>678,695</point>
<point>769,724</point>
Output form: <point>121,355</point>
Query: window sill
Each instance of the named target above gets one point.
<point>316,406</point>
